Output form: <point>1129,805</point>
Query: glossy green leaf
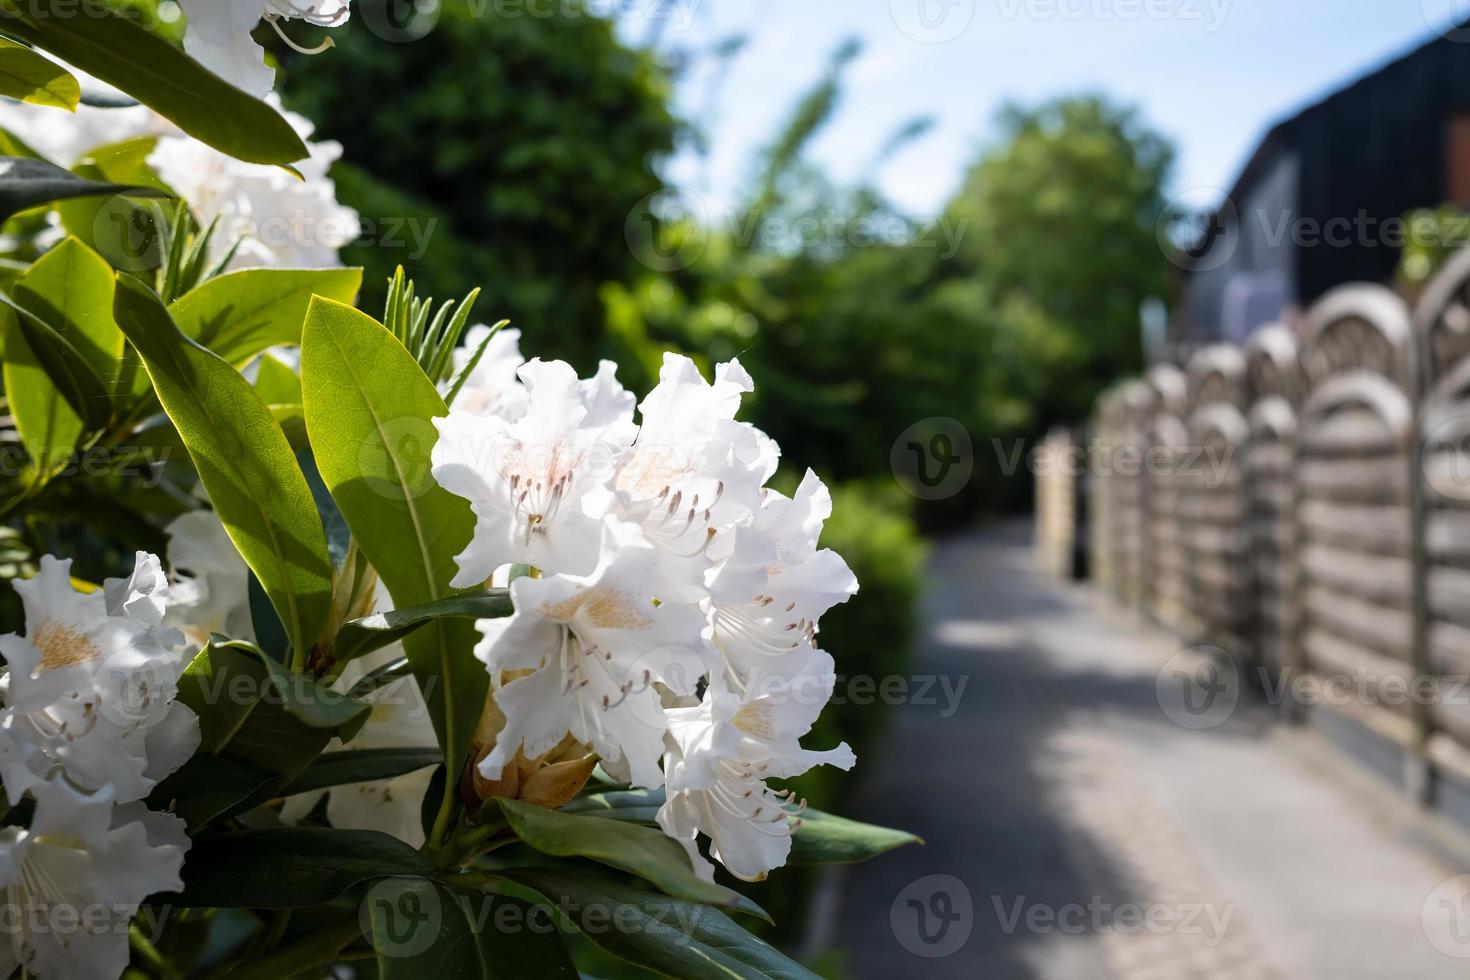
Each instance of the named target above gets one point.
<point>360,766</point>
<point>463,936</point>
<point>108,44</point>
<point>277,383</point>
<point>289,867</point>
<point>239,314</point>
<point>30,76</point>
<point>26,183</point>
<point>360,636</point>
<point>651,854</point>
<point>368,412</point>
<point>243,460</point>
<point>69,289</point>
<point>673,937</point>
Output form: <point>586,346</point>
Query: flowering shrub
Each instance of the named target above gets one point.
<point>441,639</point>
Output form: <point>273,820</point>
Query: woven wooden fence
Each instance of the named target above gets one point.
<point>1303,504</point>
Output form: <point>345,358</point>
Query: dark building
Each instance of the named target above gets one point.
<point>1308,212</point>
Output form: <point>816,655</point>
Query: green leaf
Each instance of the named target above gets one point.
<point>289,867</point>
<point>259,729</point>
<point>31,77</point>
<point>360,636</point>
<point>822,838</point>
<point>107,44</point>
<point>239,314</point>
<point>360,766</point>
<point>276,383</point>
<point>26,183</point>
<point>422,929</point>
<point>643,851</point>
<point>368,411</point>
<point>243,460</point>
<point>65,347</point>
<point>674,937</point>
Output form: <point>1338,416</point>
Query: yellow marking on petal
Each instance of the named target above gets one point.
<point>604,607</point>
<point>754,719</point>
<point>62,646</point>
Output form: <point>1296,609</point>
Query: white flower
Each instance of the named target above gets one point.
<point>720,754</point>
<point>693,470</point>
<point>279,219</point>
<point>210,593</point>
<point>773,583</point>
<point>596,645</point>
<point>74,879</point>
<point>218,35</point>
<point>492,388</point>
<point>538,486</point>
<point>93,674</point>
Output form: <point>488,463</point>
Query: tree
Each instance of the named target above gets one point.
<point>517,144</point>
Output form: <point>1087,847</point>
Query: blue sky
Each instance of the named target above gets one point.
<point>1210,74</point>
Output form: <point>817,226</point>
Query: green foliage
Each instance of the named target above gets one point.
<point>526,141</point>
<point>243,461</point>
<point>29,76</point>
<point>109,45</point>
<point>1435,234</point>
<point>369,408</point>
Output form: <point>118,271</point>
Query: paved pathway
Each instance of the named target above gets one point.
<point>1078,833</point>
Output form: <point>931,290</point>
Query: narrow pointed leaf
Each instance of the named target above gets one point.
<point>243,460</point>
<point>360,636</point>
<point>30,76</point>
<point>26,183</point>
<point>368,413</point>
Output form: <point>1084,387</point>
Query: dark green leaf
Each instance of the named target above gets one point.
<point>643,851</point>
<point>360,636</point>
<point>26,183</point>
<point>360,766</point>
<point>676,938</point>
<point>289,867</point>
<point>422,929</point>
<point>243,460</point>
<point>107,44</point>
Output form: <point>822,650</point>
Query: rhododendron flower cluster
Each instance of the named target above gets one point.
<point>670,622</point>
<point>89,726</point>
